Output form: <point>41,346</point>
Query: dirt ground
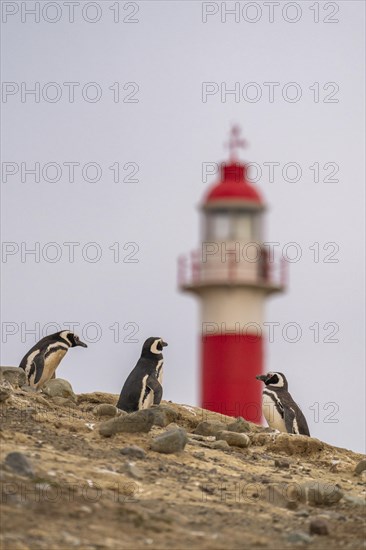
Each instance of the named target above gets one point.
<point>85,494</point>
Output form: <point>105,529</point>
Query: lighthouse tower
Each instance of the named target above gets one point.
<point>232,273</point>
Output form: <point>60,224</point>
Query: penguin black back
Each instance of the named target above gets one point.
<point>143,385</point>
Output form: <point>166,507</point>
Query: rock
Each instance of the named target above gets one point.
<point>171,441</point>
<point>19,463</point>
<point>133,471</point>
<point>240,425</point>
<point>279,495</point>
<point>14,375</point>
<point>105,409</point>
<point>317,493</point>
<point>221,445</point>
<point>234,439</point>
<point>140,421</point>
<point>163,415</point>
<point>133,451</point>
<point>199,454</point>
<point>209,427</point>
<point>281,463</point>
<point>57,387</point>
<point>361,466</point>
<point>354,501</point>
<point>4,394</point>
<point>292,444</point>
<point>318,526</point>
<point>299,536</point>
<point>64,402</point>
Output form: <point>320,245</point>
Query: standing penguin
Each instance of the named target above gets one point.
<point>143,385</point>
<point>278,407</point>
<point>42,360</point>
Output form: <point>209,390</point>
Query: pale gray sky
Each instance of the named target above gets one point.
<point>163,120</point>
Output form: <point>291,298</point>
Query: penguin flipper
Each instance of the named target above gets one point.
<point>153,383</point>
<point>289,418</point>
<point>38,363</point>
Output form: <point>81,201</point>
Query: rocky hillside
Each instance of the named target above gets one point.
<point>77,474</point>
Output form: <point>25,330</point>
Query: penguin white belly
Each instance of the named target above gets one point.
<point>149,400</point>
<point>50,365</point>
<point>271,414</point>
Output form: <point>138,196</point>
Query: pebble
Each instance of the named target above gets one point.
<point>140,421</point>
<point>281,463</point>
<point>19,463</point>
<point>133,471</point>
<point>171,441</point>
<point>233,438</point>
<point>133,451</point>
<point>318,526</point>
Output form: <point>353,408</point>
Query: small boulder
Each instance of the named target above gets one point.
<point>317,493</point>
<point>105,409</point>
<point>361,466</point>
<point>57,387</point>
<point>19,463</point>
<point>14,375</point>
<point>164,415</point>
<point>139,421</point>
<point>64,402</point>
<point>220,445</point>
<point>133,452</point>
<point>171,441</point>
<point>292,444</point>
<point>4,394</point>
<point>240,425</point>
<point>234,439</point>
<point>209,427</point>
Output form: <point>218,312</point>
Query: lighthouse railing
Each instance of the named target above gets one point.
<point>197,269</point>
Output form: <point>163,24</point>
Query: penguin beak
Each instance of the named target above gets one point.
<point>262,377</point>
<point>164,344</point>
<point>80,343</point>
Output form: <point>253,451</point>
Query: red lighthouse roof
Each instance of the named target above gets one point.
<point>233,186</point>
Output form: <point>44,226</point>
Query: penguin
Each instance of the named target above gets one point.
<point>279,409</point>
<point>42,360</point>
<point>143,386</point>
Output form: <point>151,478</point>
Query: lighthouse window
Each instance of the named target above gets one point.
<point>243,227</point>
<point>221,226</point>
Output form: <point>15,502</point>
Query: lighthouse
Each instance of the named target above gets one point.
<point>232,273</point>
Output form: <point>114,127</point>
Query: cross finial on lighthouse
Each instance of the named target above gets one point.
<point>235,142</point>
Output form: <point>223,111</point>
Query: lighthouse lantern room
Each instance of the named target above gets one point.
<point>232,273</point>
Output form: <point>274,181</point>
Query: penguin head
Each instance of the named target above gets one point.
<point>72,339</point>
<point>153,346</point>
<point>276,379</point>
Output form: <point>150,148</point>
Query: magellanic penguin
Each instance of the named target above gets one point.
<point>143,386</point>
<point>42,360</point>
<point>279,409</point>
